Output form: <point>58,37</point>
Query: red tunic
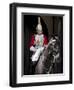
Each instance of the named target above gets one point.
<point>45,42</point>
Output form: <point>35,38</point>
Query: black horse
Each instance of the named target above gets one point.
<point>49,57</point>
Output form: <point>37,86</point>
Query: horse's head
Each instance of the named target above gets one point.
<point>52,52</point>
<point>53,45</point>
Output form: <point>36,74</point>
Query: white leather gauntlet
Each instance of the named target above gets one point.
<point>32,49</point>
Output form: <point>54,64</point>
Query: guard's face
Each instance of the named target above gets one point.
<point>39,31</point>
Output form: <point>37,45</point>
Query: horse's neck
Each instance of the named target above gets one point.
<point>46,49</point>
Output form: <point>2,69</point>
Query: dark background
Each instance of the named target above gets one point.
<point>52,25</point>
